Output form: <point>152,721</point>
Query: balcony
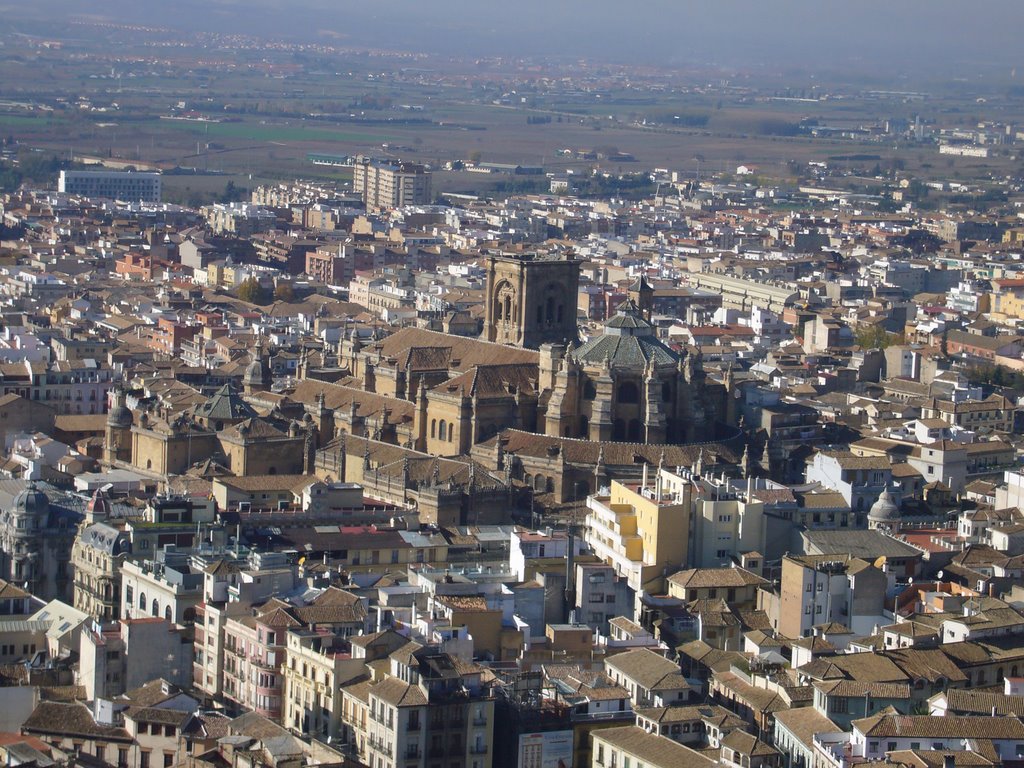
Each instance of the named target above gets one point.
<point>380,746</point>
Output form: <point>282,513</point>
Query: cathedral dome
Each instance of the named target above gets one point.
<point>120,416</point>
<point>628,341</point>
<point>884,511</point>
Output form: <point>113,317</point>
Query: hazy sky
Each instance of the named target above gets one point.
<point>882,34</point>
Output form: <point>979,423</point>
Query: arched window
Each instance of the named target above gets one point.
<point>433,428</point>
<point>550,306</point>
<point>149,463</point>
<point>167,613</point>
<point>442,430</point>
<point>142,601</point>
<point>451,432</point>
<point>528,480</point>
<point>551,485</point>
<point>156,608</point>
<point>507,316</point>
<point>539,483</point>
<point>628,392</point>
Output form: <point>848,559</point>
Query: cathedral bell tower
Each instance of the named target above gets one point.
<point>531,300</point>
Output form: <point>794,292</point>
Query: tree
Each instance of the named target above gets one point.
<point>250,291</point>
<point>230,194</point>
<point>873,337</point>
<point>284,292</point>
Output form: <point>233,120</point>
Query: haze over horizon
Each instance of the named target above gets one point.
<point>876,36</point>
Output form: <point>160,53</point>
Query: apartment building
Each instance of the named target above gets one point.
<point>601,595</point>
<point>385,184</point>
<point>993,414</point>
<point>115,658</point>
<point>727,519</point>
<point>823,589</point>
<point>170,587</point>
<point>130,186</point>
<point>640,530</point>
<point>239,219</point>
<point>97,556</point>
<point>69,387</point>
<point>224,588</point>
<point>425,708</point>
<point>860,479</point>
<point>316,665</point>
<point>251,644</point>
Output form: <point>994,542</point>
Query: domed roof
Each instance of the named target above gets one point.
<point>884,510</point>
<point>628,341</point>
<point>227,404</point>
<point>30,502</point>
<point>120,416</point>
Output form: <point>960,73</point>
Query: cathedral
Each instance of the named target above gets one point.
<point>530,371</point>
<point>528,398</point>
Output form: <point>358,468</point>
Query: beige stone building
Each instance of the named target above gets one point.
<point>315,668</point>
<point>225,428</point>
<point>418,709</point>
<point>97,556</point>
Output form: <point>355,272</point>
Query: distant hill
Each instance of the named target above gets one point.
<point>877,36</point>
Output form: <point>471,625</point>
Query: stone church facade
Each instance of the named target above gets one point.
<point>530,372</point>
